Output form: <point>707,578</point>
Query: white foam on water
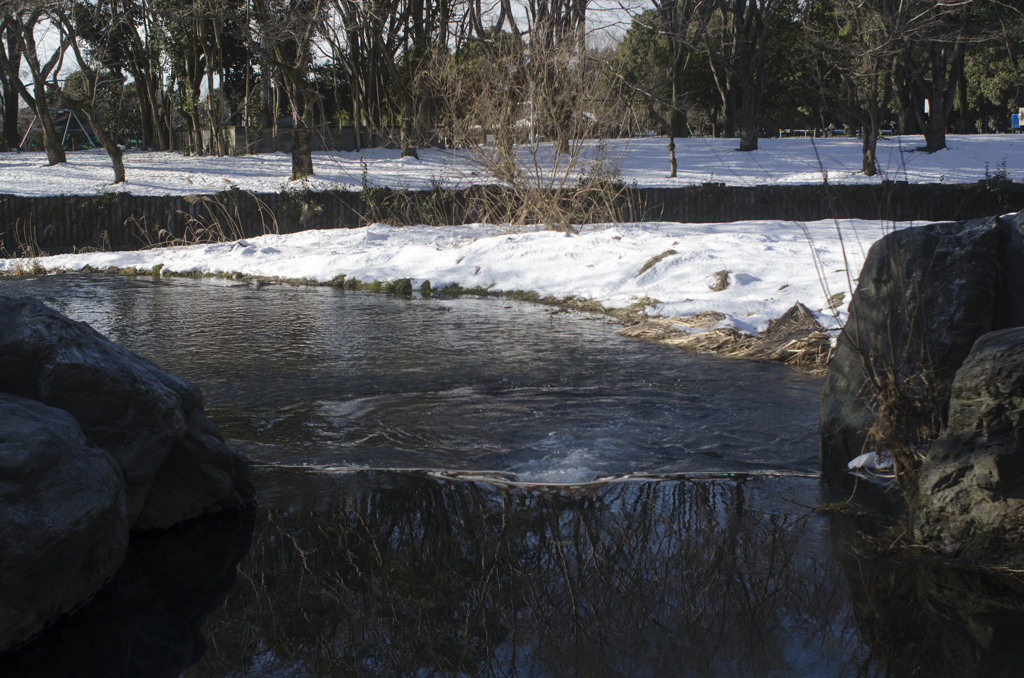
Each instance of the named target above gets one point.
<point>569,460</point>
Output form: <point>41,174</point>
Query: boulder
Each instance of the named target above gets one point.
<point>95,441</point>
<point>144,417</point>
<point>200,474</point>
<point>972,479</point>
<point>63,517</point>
<point>924,295</point>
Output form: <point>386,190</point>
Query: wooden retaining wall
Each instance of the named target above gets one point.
<point>889,201</point>
<point>120,221</point>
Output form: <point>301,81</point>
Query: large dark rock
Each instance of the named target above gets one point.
<point>94,441</point>
<point>63,519</point>
<point>150,421</point>
<point>972,479</point>
<point>924,296</point>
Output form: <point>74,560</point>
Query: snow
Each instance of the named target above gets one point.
<point>645,161</point>
<point>770,262</point>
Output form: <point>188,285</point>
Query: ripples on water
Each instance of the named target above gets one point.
<point>401,573</point>
<point>307,375</point>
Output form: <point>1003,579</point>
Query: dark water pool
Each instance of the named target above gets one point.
<point>371,554</point>
<point>305,375</point>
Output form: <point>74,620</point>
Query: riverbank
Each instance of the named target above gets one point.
<point>747,273</point>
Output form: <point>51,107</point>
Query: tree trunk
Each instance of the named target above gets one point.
<point>302,98</point>
<point>275,124</point>
<point>677,116</point>
<point>961,93</point>
<point>869,164</point>
<point>145,117</point>
<point>112,149</point>
<point>729,114</point>
<point>408,133</point>
<point>9,130</point>
<point>748,124</point>
<point>51,139</point>
<point>302,151</point>
<point>357,127</point>
<point>935,133</point>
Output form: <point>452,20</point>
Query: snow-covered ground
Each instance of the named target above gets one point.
<point>772,264</point>
<point>645,161</point>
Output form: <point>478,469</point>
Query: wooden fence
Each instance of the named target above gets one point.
<point>120,221</point>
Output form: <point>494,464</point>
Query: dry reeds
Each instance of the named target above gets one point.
<point>219,219</point>
<point>25,247</point>
<point>529,121</point>
<point>795,339</point>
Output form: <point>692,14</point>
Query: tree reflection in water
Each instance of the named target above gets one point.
<point>402,574</point>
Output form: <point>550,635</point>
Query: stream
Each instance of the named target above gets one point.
<point>478,487</point>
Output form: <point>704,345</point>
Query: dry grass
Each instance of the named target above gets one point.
<point>721,281</point>
<point>907,409</point>
<point>22,235</point>
<point>654,261</point>
<point>218,220</point>
<point>23,238</point>
<point>795,339</point>
<point>532,121</point>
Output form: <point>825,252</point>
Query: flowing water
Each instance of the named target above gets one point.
<point>479,487</point>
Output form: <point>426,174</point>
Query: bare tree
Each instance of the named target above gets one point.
<point>736,39</point>
<point>91,70</point>
<point>851,53</point>
<point>20,18</point>
<point>527,116</point>
<point>933,36</point>
<point>135,37</point>
<point>674,22</point>
<point>286,35</point>
<point>8,90</point>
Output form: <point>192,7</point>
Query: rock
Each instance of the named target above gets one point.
<point>923,297</point>
<point>144,417</point>
<point>200,474</point>
<point>972,479</point>
<point>63,517</point>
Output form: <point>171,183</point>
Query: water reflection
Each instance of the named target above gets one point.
<point>148,620</point>
<point>402,574</point>
<point>929,619</point>
<point>408,574</point>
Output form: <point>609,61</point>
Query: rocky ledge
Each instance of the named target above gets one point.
<point>930,367</point>
<point>95,442</point>
<point>971,483</point>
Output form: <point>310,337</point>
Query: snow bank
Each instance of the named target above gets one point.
<point>771,264</point>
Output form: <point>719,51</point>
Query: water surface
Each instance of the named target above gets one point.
<point>703,555</point>
<point>315,375</point>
